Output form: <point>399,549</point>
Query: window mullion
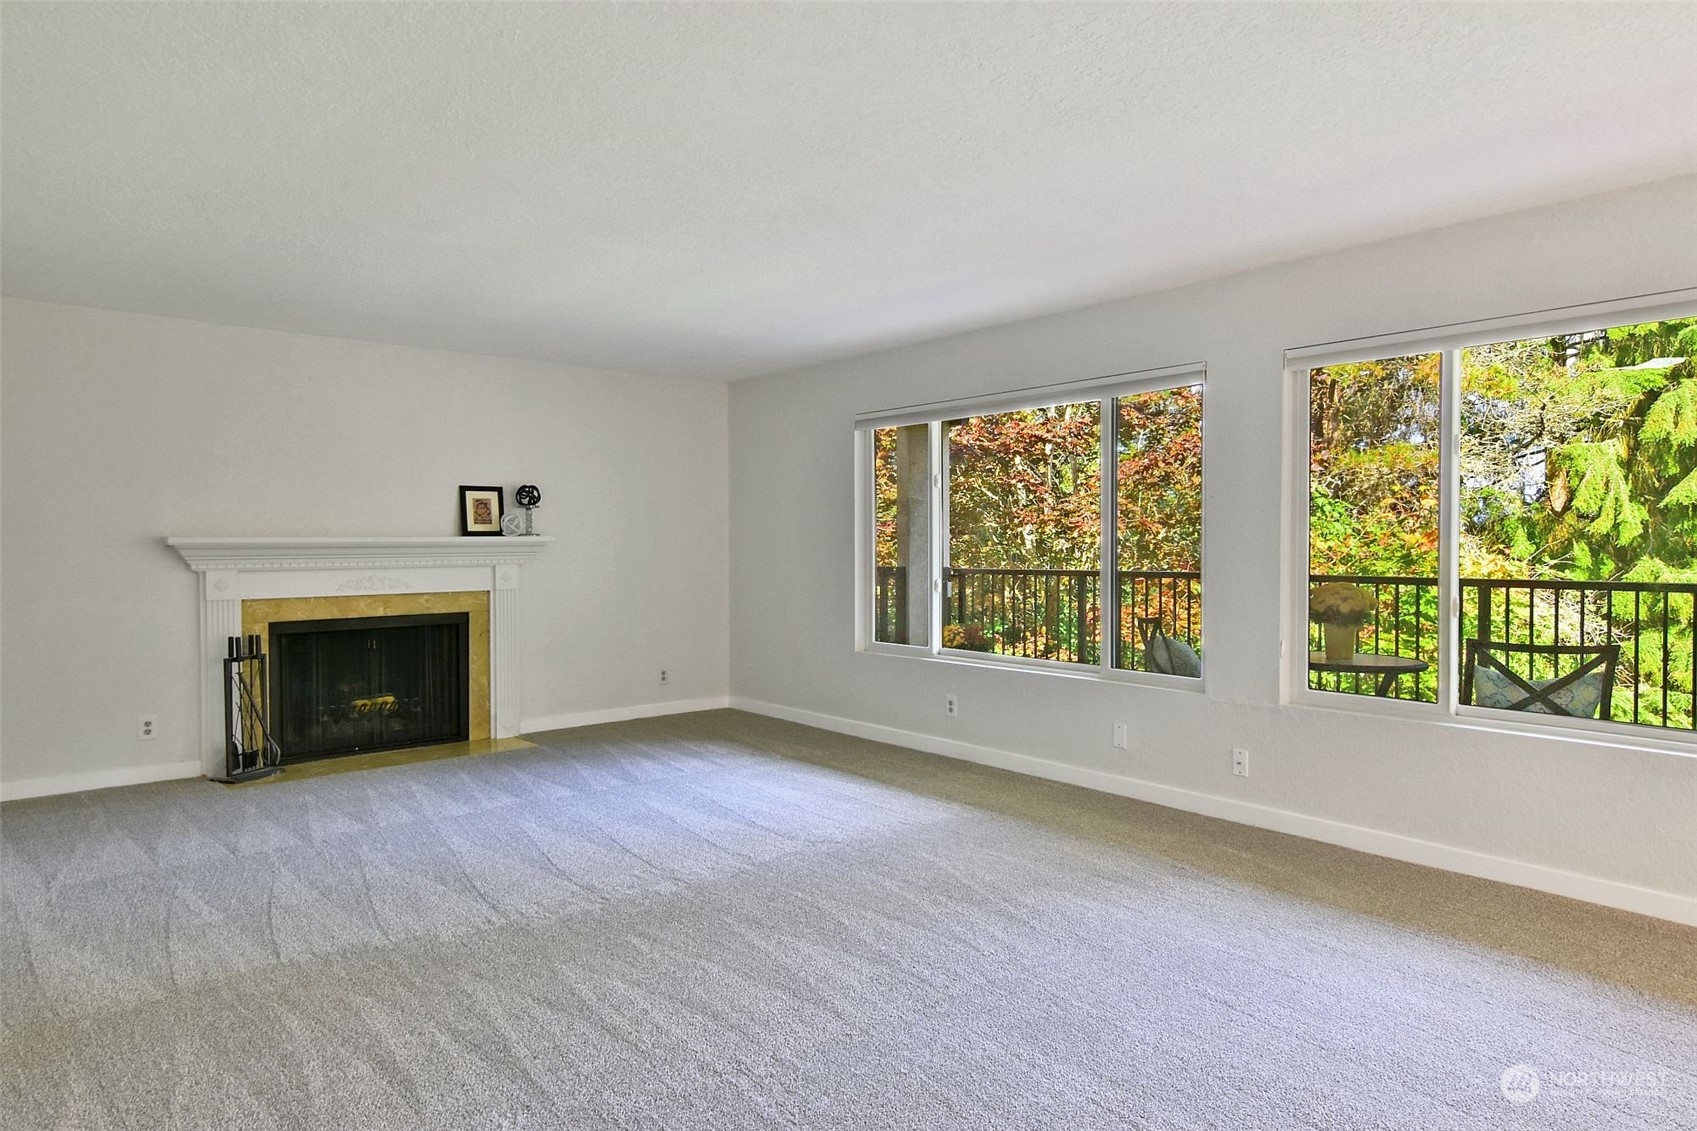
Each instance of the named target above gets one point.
<point>1449,527</point>
<point>866,544</point>
<point>1299,485</point>
<point>1108,589</point>
<point>939,532</point>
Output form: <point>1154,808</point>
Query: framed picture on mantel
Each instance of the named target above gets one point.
<point>480,510</point>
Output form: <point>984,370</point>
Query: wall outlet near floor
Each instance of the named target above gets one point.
<point>664,677</point>
<point>1121,740</point>
<point>148,729</point>
<point>951,707</point>
<point>1240,762</point>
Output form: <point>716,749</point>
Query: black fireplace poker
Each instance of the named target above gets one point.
<point>249,752</point>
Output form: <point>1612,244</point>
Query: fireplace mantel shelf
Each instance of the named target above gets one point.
<point>204,554</point>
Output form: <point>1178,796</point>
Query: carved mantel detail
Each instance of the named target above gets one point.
<point>373,583</point>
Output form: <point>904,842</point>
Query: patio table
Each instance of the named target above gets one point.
<point>1387,668</point>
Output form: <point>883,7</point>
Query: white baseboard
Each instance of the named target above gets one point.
<point>621,714</point>
<point>97,779</point>
<point>1591,889</point>
<point>169,771</point>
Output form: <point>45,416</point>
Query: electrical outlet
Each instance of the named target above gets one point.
<point>1121,741</point>
<point>664,677</point>
<point>149,728</point>
<point>951,707</point>
<point>1240,763</point>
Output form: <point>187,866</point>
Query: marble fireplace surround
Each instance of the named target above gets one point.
<point>233,570</point>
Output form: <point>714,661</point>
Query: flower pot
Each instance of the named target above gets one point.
<point>1340,642</point>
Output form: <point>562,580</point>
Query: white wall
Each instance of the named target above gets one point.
<point>1549,812</point>
<point>120,429</point>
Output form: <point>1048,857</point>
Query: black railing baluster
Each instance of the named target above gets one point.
<point>1127,656</point>
<point>880,594</point>
<point>1024,601</point>
<point>1040,588</point>
<point>1005,618</point>
<point>897,593</point>
<point>1378,618</point>
<point>881,629</point>
<point>1665,680</point>
<point>1637,652</point>
<point>1532,619</point>
<point>1396,625</point>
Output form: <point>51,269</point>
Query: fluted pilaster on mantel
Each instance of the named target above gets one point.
<point>504,630</point>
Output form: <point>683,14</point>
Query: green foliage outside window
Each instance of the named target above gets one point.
<point>1578,462</point>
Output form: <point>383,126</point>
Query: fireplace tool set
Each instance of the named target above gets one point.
<point>249,751</point>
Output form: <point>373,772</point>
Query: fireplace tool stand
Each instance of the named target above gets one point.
<point>249,751</point>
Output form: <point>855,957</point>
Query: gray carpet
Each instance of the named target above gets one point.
<point>723,921</point>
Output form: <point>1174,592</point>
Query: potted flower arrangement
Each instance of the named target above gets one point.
<point>1341,609</point>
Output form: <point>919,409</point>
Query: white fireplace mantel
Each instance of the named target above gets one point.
<point>236,569</point>
<point>203,554</point>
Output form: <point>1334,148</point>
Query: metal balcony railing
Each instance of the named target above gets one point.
<point>1054,614</point>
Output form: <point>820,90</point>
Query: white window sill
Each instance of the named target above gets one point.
<point>1055,668</point>
<point>1624,736</point>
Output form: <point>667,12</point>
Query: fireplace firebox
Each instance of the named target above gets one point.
<point>357,685</point>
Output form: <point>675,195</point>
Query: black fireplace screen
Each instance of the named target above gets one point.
<point>371,683</point>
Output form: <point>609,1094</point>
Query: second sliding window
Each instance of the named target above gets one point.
<point>1062,531</point>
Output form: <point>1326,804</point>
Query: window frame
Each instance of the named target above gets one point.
<point>1449,342</point>
<point>1105,391</point>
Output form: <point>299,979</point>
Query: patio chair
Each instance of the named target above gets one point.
<point>1488,680</point>
<point>1166,654</point>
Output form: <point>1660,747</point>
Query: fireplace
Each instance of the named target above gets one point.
<point>360,684</point>
<point>250,584</point>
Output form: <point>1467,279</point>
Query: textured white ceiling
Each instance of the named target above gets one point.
<point>725,190</point>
